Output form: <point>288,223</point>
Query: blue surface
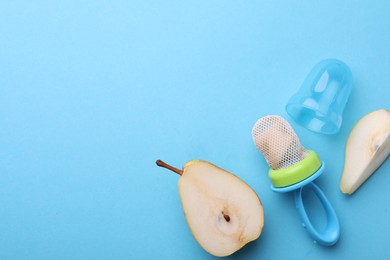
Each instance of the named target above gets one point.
<point>93,92</point>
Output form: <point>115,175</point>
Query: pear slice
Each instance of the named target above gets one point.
<point>367,148</point>
<point>222,211</point>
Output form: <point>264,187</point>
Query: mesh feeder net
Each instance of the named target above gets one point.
<point>276,140</point>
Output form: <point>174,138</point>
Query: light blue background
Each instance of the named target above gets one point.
<point>93,92</point>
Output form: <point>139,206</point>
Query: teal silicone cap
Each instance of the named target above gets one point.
<point>319,103</point>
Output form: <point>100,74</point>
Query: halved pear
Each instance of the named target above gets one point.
<point>367,148</point>
<point>222,211</point>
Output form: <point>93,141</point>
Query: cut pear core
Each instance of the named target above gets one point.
<point>226,217</point>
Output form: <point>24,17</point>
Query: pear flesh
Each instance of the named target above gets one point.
<point>222,211</point>
<point>367,148</point>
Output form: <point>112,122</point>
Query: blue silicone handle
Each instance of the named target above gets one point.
<point>331,233</point>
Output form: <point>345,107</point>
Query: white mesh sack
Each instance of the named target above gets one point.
<point>277,141</point>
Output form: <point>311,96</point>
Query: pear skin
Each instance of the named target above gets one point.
<point>368,146</point>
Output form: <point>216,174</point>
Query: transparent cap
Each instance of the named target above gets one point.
<point>319,103</point>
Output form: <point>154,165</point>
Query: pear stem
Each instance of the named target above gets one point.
<point>169,167</point>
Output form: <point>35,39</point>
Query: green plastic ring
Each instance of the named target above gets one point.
<point>297,172</point>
